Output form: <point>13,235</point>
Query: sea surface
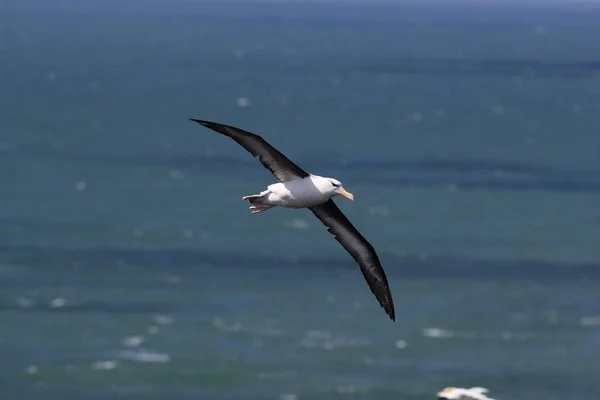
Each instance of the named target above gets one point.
<point>131,269</point>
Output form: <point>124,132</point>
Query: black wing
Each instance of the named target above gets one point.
<point>362,251</point>
<point>272,159</point>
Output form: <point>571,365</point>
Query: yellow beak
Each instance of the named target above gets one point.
<point>346,194</point>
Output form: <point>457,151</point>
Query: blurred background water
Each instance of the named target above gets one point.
<point>131,269</point>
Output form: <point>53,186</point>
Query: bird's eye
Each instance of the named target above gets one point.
<point>335,184</point>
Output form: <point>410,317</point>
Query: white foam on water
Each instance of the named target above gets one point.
<point>58,302</point>
<point>133,341</point>
<point>104,365</point>
<point>437,333</point>
<point>163,320</point>
<point>440,333</point>
<point>243,102</point>
<point>143,355</point>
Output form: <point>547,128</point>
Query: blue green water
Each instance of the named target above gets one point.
<point>131,269</point>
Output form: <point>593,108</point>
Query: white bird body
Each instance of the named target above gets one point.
<point>299,193</point>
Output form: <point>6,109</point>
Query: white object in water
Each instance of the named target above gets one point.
<point>474,393</point>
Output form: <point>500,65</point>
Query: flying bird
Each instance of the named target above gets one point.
<point>453,393</point>
<point>299,189</point>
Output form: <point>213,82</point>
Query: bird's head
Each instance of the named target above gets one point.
<point>337,188</point>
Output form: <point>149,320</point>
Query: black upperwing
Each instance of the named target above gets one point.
<point>271,158</point>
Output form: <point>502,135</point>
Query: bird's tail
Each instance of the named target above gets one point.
<point>258,202</point>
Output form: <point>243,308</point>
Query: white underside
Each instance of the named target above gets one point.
<point>299,193</point>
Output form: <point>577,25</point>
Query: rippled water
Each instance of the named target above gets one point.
<point>130,268</point>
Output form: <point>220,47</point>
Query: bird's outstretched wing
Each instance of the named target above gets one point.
<point>272,159</point>
<point>362,251</point>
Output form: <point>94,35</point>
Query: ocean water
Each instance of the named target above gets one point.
<point>131,269</point>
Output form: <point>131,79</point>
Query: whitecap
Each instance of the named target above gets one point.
<point>243,102</point>
<point>142,355</point>
<point>58,302</point>
<point>437,333</point>
<point>163,320</point>
<point>133,341</point>
<point>105,365</point>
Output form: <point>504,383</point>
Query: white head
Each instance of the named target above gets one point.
<point>331,187</point>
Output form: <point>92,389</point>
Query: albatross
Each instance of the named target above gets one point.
<point>453,393</point>
<point>299,189</point>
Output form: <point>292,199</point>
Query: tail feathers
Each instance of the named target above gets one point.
<point>258,202</point>
<point>252,197</point>
<point>256,199</point>
<point>257,209</point>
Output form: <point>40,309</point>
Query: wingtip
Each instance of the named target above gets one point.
<point>387,304</point>
<point>391,314</point>
<point>198,121</point>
